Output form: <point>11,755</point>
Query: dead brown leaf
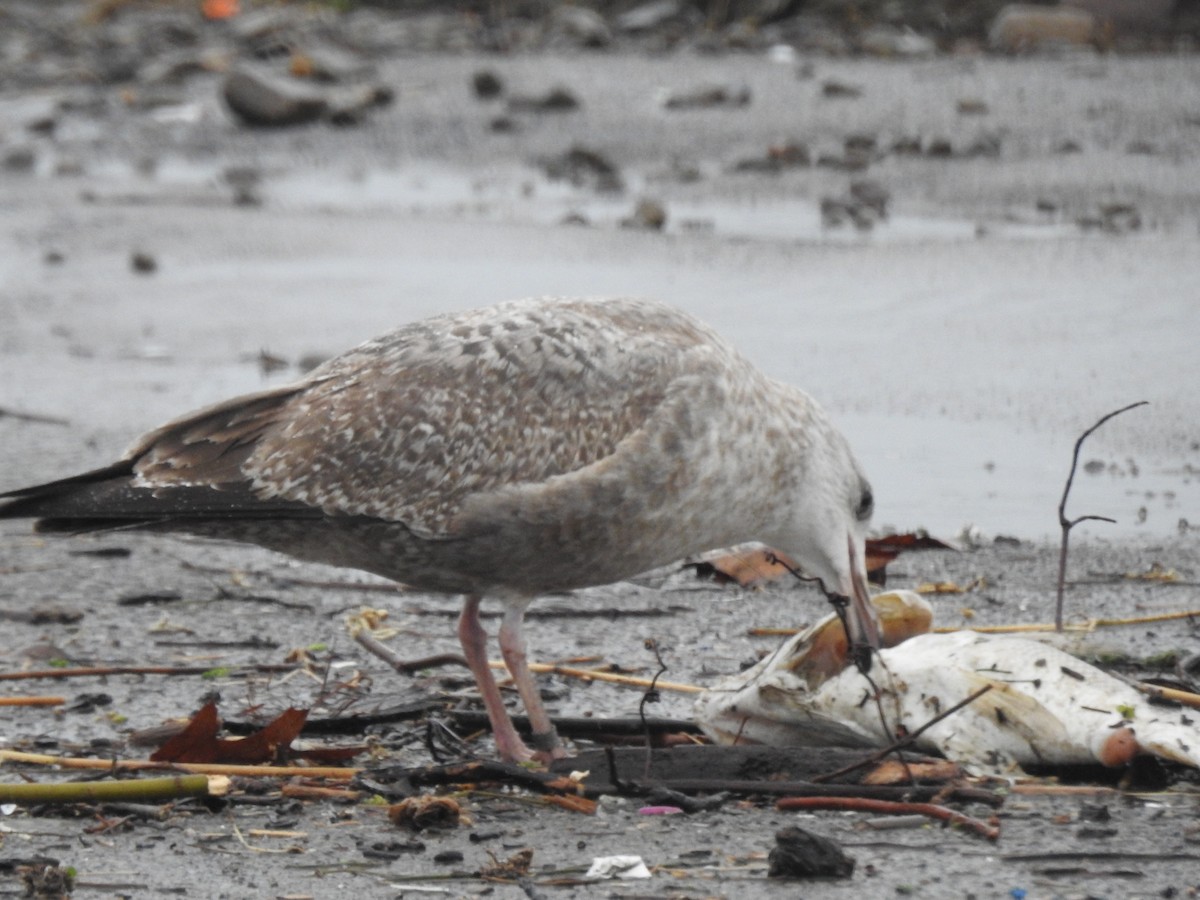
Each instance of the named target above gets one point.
<point>198,742</point>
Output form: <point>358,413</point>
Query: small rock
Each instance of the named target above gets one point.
<point>939,148</point>
<point>906,146</point>
<point>504,125</point>
<point>43,125</point>
<point>262,98</point>
<point>349,106</point>
<point>1024,28</point>
<point>582,26</point>
<point>1068,146</point>
<point>584,167</point>
<point>142,262</point>
<point>20,159</point>
<point>649,16</point>
<point>487,85</point>
<point>872,196</point>
<point>972,107</point>
<point>245,182</point>
<point>325,62</point>
<point>648,215</point>
<point>905,43</point>
<point>839,90</point>
<point>802,854</point>
<point>557,99</point>
<point>709,96</point>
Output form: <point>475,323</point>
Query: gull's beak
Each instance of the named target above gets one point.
<point>861,626</point>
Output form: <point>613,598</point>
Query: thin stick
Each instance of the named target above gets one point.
<point>1068,524</point>
<point>905,741</point>
<point>890,807</point>
<point>93,671</point>
<point>610,677</point>
<point>140,790</point>
<point>32,701</point>
<point>134,765</point>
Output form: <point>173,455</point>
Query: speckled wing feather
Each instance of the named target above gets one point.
<point>409,426</point>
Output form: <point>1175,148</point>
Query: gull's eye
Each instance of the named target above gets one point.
<point>866,506</point>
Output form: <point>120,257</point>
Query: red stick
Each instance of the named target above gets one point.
<point>890,807</point>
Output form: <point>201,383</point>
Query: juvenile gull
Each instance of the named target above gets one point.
<point>539,445</point>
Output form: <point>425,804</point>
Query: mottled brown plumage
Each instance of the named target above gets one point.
<point>534,446</point>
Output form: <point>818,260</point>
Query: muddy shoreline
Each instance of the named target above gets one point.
<point>964,341</point>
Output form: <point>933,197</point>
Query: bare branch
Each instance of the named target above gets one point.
<point>1068,524</point>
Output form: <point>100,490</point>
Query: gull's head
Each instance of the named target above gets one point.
<point>825,525</point>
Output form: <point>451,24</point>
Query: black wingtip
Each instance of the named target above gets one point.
<point>53,497</point>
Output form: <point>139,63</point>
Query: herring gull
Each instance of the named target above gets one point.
<point>539,445</point>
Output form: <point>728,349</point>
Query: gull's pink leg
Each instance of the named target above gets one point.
<point>512,648</point>
<point>474,643</point>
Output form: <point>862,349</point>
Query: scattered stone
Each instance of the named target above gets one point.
<point>325,62</point>
<point>504,125</point>
<point>904,43</point>
<point>972,107</point>
<point>863,206</point>
<point>709,96</point>
<point>582,26</point>
<point>1141,148</point>
<point>1112,218</point>
<point>802,854</point>
<point>20,160</point>
<point>556,100</point>
<point>487,85</point>
<point>349,106</point>
<point>53,258</point>
<point>648,215</point>
<point>142,262</point>
<point>42,125</point>
<point>649,16</point>
<point>1068,146</point>
<point>261,98</point>
<point>1049,207</point>
<point>245,182</point>
<point>940,148</point>
<point>839,90</point>
<point>987,146</point>
<point>906,146</point>
<point>1024,28</point>
<point>872,196</point>
<point>583,167</point>
<point>788,155</point>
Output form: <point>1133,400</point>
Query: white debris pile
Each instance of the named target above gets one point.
<point>1045,707</point>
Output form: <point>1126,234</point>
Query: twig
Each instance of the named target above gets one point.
<point>1068,524</point>
<point>905,741</point>
<point>890,807</point>
<point>144,790</point>
<point>92,671</point>
<point>610,677</point>
<point>650,695</point>
<point>32,701</point>
<point>31,417</point>
<point>136,765</point>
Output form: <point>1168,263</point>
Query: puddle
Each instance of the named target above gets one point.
<point>943,475</point>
